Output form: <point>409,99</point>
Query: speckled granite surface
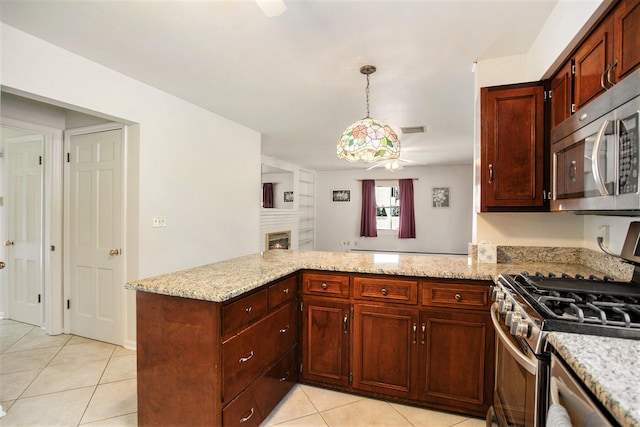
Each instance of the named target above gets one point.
<point>227,279</point>
<point>610,368</point>
<point>606,264</point>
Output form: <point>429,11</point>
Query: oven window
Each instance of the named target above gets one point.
<point>514,399</point>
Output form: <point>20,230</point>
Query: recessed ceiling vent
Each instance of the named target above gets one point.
<point>412,129</point>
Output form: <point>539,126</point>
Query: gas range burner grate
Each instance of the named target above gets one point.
<point>588,301</point>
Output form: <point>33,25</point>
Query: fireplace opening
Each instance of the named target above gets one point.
<point>278,240</point>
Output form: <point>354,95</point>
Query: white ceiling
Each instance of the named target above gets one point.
<point>295,78</point>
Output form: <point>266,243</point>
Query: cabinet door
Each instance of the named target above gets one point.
<point>456,359</point>
<point>384,350</point>
<point>325,340</point>
<point>626,38</point>
<point>561,90</point>
<point>592,60</point>
<point>513,148</point>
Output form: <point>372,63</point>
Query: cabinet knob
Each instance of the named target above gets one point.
<point>324,286</point>
<point>9,243</point>
<point>249,309</point>
<point>285,291</point>
<point>458,297</point>
<point>384,292</point>
<point>114,252</point>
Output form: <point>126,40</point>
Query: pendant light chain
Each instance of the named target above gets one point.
<point>367,92</point>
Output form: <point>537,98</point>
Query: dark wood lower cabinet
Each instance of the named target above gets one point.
<point>385,344</point>
<point>203,363</point>
<point>456,364</point>
<point>325,339</point>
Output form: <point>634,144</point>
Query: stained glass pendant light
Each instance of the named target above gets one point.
<point>368,139</point>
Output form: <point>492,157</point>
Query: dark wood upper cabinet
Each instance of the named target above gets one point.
<point>626,48</point>
<point>513,148</point>
<point>561,95</point>
<point>593,61</point>
<point>609,53</point>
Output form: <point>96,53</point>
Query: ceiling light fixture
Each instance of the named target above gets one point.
<point>272,8</point>
<point>368,139</point>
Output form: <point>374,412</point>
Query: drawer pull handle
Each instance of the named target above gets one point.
<point>415,333</point>
<point>285,291</point>
<point>324,286</point>
<point>246,359</point>
<point>245,419</point>
<point>458,297</point>
<point>285,329</point>
<point>384,292</point>
<point>249,309</point>
<point>283,379</point>
<point>424,332</point>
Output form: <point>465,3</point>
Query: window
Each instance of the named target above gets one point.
<point>387,205</point>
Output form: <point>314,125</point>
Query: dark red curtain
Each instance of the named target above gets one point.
<point>267,195</point>
<point>407,228</point>
<point>368,216</point>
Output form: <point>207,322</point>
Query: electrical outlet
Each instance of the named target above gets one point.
<point>159,221</point>
<point>603,231</point>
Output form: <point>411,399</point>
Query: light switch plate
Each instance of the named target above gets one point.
<point>159,221</point>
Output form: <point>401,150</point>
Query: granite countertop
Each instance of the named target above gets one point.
<point>224,280</point>
<point>609,367</point>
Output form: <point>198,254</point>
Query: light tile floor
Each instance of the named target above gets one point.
<point>66,380</point>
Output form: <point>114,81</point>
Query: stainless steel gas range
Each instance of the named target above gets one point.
<point>527,307</point>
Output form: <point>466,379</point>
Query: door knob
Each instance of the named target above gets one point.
<point>114,252</point>
<point>1,265</point>
<point>9,243</point>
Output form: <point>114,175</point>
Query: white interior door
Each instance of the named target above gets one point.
<point>94,230</point>
<point>24,232</point>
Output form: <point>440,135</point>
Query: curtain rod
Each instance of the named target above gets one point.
<point>389,179</point>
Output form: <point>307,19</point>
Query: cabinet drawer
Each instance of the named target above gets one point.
<point>257,401</point>
<point>247,354</point>
<point>391,290</point>
<point>333,285</point>
<point>244,311</point>
<point>282,292</point>
<point>455,295</point>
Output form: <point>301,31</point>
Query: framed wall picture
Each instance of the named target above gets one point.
<point>440,197</point>
<point>288,196</point>
<point>341,195</point>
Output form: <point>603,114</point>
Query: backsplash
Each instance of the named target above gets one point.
<point>600,261</point>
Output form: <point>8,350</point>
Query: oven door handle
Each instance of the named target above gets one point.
<point>513,349</point>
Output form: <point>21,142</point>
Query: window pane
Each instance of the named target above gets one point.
<point>388,207</point>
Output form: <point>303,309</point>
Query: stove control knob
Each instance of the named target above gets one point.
<point>505,305</point>
<point>512,317</point>
<point>497,294</point>
<point>520,329</point>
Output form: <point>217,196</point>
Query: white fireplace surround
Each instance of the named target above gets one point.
<point>277,222</point>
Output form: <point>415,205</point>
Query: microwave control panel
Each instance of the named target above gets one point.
<point>629,156</point>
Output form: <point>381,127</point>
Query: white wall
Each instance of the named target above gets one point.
<point>186,156</point>
<point>568,22</point>
<point>439,230</point>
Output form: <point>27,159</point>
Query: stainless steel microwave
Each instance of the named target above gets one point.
<point>596,154</point>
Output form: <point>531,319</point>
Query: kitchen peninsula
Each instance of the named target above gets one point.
<point>223,343</point>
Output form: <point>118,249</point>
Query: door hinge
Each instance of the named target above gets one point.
<point>350,377</point>
<point>300,368</point>
<point>68,304</point>
<point>573,108</point>
<point>301,305</point>
<point>40,160</point>
<point>351,311</point>
<point>68,157</point>
<point>39,298</point>
<point>546,95</point>
<point>53,248</point>
<point>573,70</point>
